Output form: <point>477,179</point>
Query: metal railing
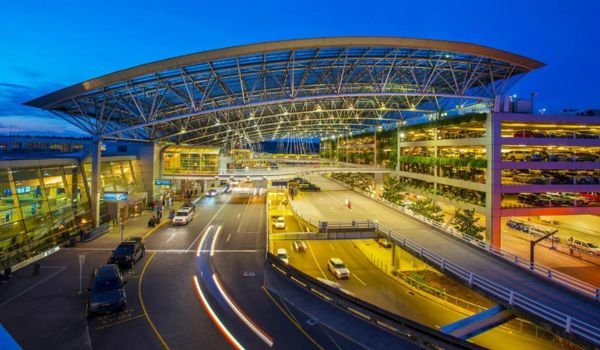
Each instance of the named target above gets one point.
<point>561,278</point>
<point>568,325</point>
<point>406,329</point>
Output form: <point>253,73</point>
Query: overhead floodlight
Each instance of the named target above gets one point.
<point>318,108</point>
<point>350,107</point>
<point>286,113</point>
<point>182,131</point>
<point>382,107</point>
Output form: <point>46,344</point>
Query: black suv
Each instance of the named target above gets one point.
<point>127,253</point>
<point>106,292</point>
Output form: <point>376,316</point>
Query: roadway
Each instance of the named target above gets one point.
<point>164,309</point>
<point>329,205</point>
<point>370,284</point>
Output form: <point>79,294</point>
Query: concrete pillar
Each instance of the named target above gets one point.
<point>96,156</point>
<point>378,184</point>
<point>493,199</point>
<point>375,148</point>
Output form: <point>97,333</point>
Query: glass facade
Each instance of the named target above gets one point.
<point>190,161</point>
<point>43,206</point>
<point>39,207</point>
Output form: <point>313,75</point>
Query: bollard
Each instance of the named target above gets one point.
<point>36,269</point>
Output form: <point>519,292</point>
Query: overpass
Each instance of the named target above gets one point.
<point>527,295</point>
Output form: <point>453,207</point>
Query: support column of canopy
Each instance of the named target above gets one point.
<point>96,187</point>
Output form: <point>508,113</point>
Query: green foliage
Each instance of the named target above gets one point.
<point>428,209</point>
<point>392,190</point>
<point>454,120</point>
<point>456,162</point>
<point>466,222</point>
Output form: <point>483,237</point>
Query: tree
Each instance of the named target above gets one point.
<point>466,222</point>
<point>392,189</point>
<point>428,209</point>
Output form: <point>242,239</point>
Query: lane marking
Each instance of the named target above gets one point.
<point>228,237</point>
<point>231,250</point>
<point>214,241</point>
<point>238,215</point>
<point>210,222</point>
<point>253,326</point>
<point>170,238</point>
<point>160,338</point>
<point>61,269</point>
<point>155,228</point>
<point>203,239</point>
<point>121,321</point>
<point>292,320</point>
<point>331,246</point>
<point>359,280</point>
<point>214,317</point>
<point>316,262</point>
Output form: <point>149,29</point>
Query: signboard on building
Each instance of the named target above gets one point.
<point>163,182</point>
<point>115,196</point>
<point>279,183</point>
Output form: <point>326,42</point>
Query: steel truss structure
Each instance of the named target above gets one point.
<point>300,88</point>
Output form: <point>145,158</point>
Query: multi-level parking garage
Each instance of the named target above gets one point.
<point>430,113</point>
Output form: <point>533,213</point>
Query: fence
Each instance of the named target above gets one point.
<point>566,324</point>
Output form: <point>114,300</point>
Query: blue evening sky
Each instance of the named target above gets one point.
<point>46,45</point>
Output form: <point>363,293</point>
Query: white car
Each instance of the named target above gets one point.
<point>282,254</point>
<point>279,222</point>
<point>586,247</point>
<point>183,216</point>
<point>337,267</point>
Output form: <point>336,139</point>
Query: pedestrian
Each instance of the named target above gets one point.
<point>171,214</point>
<point>195,192</point>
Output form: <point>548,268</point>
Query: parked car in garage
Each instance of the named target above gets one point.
<point>529,133</point>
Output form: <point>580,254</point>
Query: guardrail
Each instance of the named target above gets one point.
<point>558,277</point>
<point>566,324</point>
<point>406,329</point>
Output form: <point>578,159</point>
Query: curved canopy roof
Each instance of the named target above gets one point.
<point>295,88</point>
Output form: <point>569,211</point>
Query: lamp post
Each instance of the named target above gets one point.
<point>122,228</point>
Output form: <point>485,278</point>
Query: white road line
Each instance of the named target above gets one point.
<point>208,224</point>
<point>228,237</point>
<point>232,250</point>
<point>359,280</point>
<point>316,262</point>
<point>239,214</point>
<point>171,237</point>
<point>331,246</point>
<point>35,285</point>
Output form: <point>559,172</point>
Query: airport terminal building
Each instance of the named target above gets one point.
<point>435,113</point>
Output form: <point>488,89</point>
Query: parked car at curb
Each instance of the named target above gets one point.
<point>106,291</point>
<point>127,253</point>
<point>183,216</point>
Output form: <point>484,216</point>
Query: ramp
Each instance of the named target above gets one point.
<point>479,323</point>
